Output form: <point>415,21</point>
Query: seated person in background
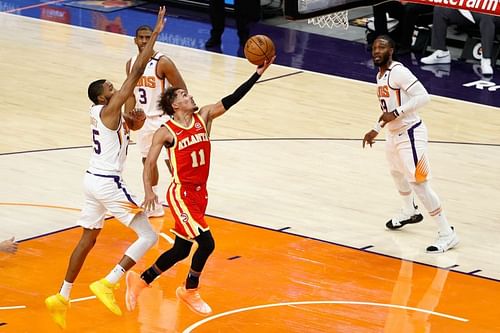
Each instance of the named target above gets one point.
<point>443,17</point>
<point>407,14</point>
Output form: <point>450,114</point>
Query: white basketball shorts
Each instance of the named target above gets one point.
<point>145,135</point>
<point>406,152</point>
<point>104,194</point>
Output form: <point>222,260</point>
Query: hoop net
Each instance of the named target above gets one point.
<point>333,20</point>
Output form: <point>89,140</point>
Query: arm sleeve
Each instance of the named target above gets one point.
<point>418,96</point>
<point>241,91</point>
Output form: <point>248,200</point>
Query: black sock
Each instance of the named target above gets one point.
<point>192,281</point>
<point>149,275</point>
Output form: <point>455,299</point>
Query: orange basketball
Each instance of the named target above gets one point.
<point>258,49</point>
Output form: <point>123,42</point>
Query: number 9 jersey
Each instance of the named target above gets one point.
<point>392,92</point>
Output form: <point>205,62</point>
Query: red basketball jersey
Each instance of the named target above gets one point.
<point>190,154</point>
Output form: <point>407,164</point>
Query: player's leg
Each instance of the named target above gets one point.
<point>409,213</point>
<point>123,206</point>
<point>196,202</point>
<point>413,153</point>
<point>189,293</point>
<point>91,219</point>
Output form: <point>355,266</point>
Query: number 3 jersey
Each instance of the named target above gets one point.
<point>392,91</point>
<point>149,87</point>
<point>109,147</point>
<point>190,153</point>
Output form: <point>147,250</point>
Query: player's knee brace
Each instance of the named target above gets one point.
<point>147,237</point>
<point>206,245</point>
<point>401,183</point>
<point>181,248</point>
<point>427,196</point>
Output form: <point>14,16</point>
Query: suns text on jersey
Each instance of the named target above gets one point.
<point>383,91</point>
<point>147,81</point>
<point>192,139</point>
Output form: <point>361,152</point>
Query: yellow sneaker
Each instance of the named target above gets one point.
<point>134,287</point>
<point>193,300</point>
<point>58,306</point>
<point>104,292</point>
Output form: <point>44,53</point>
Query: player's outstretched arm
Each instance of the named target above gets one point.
<point>212,111</point>
<point>111,114</point>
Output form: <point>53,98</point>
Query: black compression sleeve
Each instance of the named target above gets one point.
<point>238,94</point>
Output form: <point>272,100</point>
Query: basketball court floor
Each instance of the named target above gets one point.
<point>296,206</point>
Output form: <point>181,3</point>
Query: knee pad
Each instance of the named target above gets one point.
<point>206,243</point>
<point>181,249</point>
<point>147,237</point>
<point>427,196</point>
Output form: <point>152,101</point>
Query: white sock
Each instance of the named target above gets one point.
<point>442,222</point>
<point>115,275</point>
<point>66,289</point>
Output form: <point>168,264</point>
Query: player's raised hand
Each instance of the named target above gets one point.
<point>160,22</point>
<point>262,68</point>
<point>370,138</point>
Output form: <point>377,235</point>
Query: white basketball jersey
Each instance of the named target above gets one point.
<point>109,146</point>
<point>149,87</point>
<point>392,90</point>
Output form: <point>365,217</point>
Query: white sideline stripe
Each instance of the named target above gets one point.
<point>81,299</point>
<point>250,308</point>
<point>13,307</point>
<point>167,237</point>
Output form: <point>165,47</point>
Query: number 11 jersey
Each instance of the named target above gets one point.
<point>190,153</point>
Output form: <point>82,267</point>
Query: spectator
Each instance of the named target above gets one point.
<point>443,17</point>
<point>244,11</point>
<point>407,14</point>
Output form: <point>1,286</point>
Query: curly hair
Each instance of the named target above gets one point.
<point>166,100</point>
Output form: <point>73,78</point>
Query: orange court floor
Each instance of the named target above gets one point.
<point>257,280</point>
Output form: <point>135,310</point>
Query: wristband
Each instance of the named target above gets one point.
<point>377,127</point>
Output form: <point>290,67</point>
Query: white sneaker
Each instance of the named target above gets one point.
<point>444,242</point>
<point>486,68</point>
<point>438,57</point>
<point>404,218</point>
<point>157,212</point>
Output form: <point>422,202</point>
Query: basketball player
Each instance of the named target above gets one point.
<point>105,190</point>
<point>186,136</point>
<point>160,73</point>
<point>400,95</point>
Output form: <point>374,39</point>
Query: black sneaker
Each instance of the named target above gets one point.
<point>403,219</point>
<point>213,42</point>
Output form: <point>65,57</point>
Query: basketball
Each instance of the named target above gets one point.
<point>258,49</point>
<point>135,119</point>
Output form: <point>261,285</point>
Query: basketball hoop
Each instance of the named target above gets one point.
<point>333,20</point>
